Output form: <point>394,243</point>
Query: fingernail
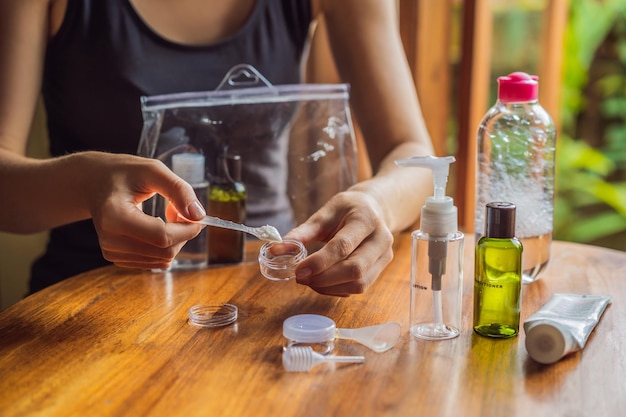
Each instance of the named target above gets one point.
<point>196,210</point>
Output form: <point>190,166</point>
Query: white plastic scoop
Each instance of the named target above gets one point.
<point>267,232</point>
<point>379,338</point>
<point>303,358</point>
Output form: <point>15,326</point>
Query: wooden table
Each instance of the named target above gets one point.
<point>115,342</point>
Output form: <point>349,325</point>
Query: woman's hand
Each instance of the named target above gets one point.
<point>357,225</point>
<point>358,245</point>
<point>128,237</point>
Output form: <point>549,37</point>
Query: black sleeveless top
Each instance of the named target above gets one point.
<point>105,57</point>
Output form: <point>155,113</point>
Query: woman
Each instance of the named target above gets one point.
<point>94,59</point>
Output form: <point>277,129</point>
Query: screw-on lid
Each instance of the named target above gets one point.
<point>547,342</point>
<point>518,87</point>
<point>189,166</point>
<point>309,328</point>
<point>500,220</point>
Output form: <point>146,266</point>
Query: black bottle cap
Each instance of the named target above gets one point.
<point>500,220</point>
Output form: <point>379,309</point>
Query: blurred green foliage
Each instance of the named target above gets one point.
<point>591,192</point>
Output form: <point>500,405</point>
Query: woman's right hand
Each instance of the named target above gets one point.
<point>128,237</point>
<point>36,195</point>
<point>109,188</point>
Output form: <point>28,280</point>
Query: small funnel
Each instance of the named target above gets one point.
<point>303,358</point>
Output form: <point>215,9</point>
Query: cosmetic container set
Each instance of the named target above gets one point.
<point>513,230</point>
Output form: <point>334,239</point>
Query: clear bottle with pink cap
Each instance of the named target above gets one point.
<point>515,163</point>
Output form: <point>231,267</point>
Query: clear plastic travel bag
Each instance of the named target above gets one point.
<point>295,143</point>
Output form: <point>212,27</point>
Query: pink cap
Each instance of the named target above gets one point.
<point>518,87</point>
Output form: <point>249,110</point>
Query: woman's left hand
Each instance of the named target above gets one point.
<point>357,245</point>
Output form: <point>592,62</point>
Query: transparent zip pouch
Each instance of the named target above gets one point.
<point>295,143</point>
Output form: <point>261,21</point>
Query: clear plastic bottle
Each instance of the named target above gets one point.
<point>437,259</point>
<point>515,163</point>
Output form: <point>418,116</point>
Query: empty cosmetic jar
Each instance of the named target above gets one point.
<point>312,330</point>
<point>278,260</point>
<point>213,315</point>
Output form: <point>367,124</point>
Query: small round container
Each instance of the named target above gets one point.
<point>213,315</point>
<point>278,260</point>
<point>312,330</point>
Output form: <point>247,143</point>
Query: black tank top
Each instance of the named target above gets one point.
<point>105,57</point>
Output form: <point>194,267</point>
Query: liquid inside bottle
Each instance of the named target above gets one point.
<point>497,289</point>
<point>536,256</point>
<point>227,246</point>
<point>227,200</point>
<point>498,275</point>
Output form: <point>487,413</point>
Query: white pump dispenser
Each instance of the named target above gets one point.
<point>442,268</point>
<point>439,214</point>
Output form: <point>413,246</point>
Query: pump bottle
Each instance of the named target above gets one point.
<point>437,259</point>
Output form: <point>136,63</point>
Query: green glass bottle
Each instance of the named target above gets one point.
<point>227,200</point>
<point>498,275</point>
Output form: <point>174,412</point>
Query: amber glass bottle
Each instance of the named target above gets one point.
<point>227,200</point>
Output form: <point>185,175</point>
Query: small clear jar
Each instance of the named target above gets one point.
<point>213,315</point>
<point>278,260</point>
<point>312,330</point>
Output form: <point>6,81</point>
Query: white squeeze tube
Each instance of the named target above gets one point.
<point>563,325</point>
<point>437,258</point>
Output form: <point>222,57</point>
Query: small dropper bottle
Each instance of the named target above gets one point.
<point>437,259</point>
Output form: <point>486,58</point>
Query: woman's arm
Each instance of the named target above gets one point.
<point>358,224</point>
<point>365,40</point>
<point>24,190</point>
<point>39,194</point>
